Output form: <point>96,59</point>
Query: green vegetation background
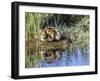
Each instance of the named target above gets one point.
<point>76,25</point>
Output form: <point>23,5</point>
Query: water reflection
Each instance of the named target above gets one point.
<point>59,58</point>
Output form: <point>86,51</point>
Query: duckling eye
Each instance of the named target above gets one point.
<point>49,31</point>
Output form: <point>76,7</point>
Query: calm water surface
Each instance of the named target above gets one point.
<point>77,58</point>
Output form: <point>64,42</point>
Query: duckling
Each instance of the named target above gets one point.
<point>50,34</point>
<point>42,35</point>
<point>57,36</point>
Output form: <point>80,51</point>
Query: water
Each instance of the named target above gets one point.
<point>55,58</point>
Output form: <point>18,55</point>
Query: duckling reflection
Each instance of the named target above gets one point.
<point>50,55</point>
